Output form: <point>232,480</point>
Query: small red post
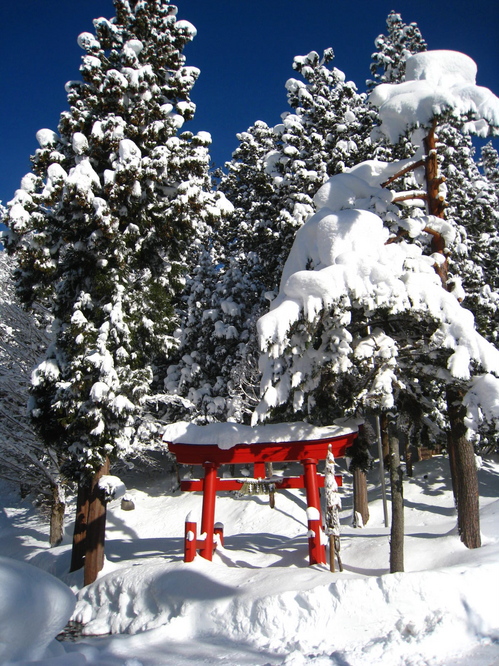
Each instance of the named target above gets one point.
<point>219,532</point>
<point>316,550</point>
<point>190,539</point>
<point>208,515</point>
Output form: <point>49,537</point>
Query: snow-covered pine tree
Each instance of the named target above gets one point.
<point>343,320</point>
<point>222,292</point>
<point>489,162</point>
<point>393,49</point>
<point>472,200</point>
<point>105,227</point>
<point>271,181</point>
<point>470,203</point>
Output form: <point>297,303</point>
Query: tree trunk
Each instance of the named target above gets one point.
<point>452,465</point>
<point>96,528</point>
<point>360,501</point>
<point>435,201</point>
<point>461,453</point>
<point>466,490</point>
<point>80,528</point>
<point>385,443</point>
<point>57,509</point>
<point>397,492</point>
<point>408,459</point>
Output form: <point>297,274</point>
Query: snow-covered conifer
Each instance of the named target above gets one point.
<point>271,180</point>
<point>489,162</point>
<point>104,227</point>
<point>472,202</point>
<point>393,49</point>
<point>367,313</point>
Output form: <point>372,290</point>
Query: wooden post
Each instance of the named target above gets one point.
<point>57,509</point>
<point>331,553</point>
<point>96,528</point>
<point>397,491</point>
<point>269,473</point>
<point>360,500</point>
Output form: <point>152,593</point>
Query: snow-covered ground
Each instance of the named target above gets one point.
<point>258,603</point>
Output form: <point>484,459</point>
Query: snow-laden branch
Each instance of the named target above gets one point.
<point>341,262</point>
<point>436,82</point>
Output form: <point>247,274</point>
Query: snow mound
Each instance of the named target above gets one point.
<point>34,608</point>
<point>307,610</point>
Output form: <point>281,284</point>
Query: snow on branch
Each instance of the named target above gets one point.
<point>482,402</point>
<point>341,261</point>
<point>436,82</point>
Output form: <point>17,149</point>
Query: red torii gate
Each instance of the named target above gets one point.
<point>211,456</point>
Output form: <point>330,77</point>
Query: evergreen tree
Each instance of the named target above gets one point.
<point>343,332</point>
<point>472,201</point>
<point>217,344</point>
<point>271,180</point>
<point>489,162</point>
<point>105,228</point>
<point>393,49</point>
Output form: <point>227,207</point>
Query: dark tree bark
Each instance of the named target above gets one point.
<point>80,528</point>
<point>452,466</point>
<point>397,493</point>
<point>465,478</point>
<point>96,528</point>
<point>385,443</point>
<point>360,501</point>
<point>90,527</point>
<point>57,510</point>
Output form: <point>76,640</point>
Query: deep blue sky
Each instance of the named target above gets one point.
<point>243,48</point>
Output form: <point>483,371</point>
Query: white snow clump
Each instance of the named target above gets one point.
<point>436,81</point>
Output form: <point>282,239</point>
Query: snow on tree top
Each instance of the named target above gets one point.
<point>436,81</point>
<point>441,68</point>
<point>228,435</point>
